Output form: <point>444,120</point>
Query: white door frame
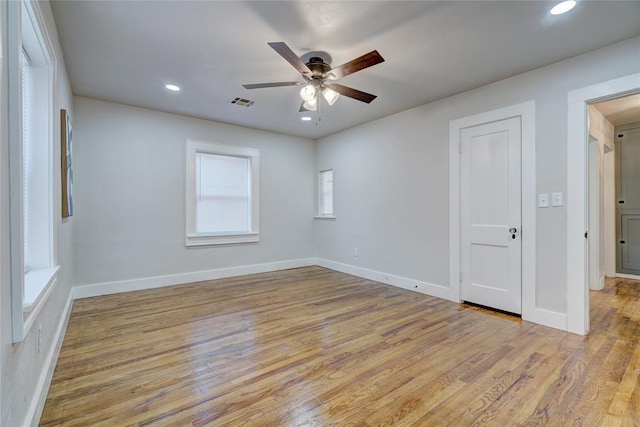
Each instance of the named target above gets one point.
<point>526,111</point>
<point>577,140</point>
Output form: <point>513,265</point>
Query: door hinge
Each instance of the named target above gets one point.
<point>460,277</point>
<point>460,147</point>
<point>586,234</point>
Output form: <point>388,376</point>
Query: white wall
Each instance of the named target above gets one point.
<point>22,367</point>
<point>130,186</point>
<point>391,175</point>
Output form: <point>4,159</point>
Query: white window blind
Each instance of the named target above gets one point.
<point>326,193</point>
<point>27,106</point>
<point>222,193</point>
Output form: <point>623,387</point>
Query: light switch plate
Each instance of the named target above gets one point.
<point>556,199</point>
<point>543,200</point>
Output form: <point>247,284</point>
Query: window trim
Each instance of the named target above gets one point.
<point>194,238</point>
<point>320,214</point>
<point>24,313</point>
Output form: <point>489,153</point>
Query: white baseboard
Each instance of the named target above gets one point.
<point>97,289</point>
<point>548,318</point>
<point>628,276</point>
<point>389,279</point>
<point>42,387</point>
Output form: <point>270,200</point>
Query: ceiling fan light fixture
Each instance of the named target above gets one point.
<point>330,95</point>
<point>311,105</point>
<point>308,92</point>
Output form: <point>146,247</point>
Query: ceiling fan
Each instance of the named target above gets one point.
<point>320,77</point>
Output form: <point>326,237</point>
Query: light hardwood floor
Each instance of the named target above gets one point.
<point>313,347</point>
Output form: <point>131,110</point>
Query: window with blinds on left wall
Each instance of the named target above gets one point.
<point>31,93</point>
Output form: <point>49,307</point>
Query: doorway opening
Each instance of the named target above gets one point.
<point>614,189</point>
<point>613,195</point>
<point>578,189</point>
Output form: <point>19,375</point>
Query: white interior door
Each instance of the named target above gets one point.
<point>490,204</point>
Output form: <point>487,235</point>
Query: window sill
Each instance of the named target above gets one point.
<point>221,239</point>
<point>38,285</point>
<point>324,217</point>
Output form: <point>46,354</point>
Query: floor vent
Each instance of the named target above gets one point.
<point>242,102</point>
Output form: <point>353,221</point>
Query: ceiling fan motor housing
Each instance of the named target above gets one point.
<point>318,67</point>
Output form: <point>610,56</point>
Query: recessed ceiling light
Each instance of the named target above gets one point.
<point>172,87</point>
<point>562,7</point>
<point>305,119</point>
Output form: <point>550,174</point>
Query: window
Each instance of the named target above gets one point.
<point>222,194</point>
<point>326,194</point>
<point>31,142</point>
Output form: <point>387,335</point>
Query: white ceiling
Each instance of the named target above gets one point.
<point>126,51</point>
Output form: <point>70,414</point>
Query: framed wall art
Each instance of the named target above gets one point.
<point>66,164</point>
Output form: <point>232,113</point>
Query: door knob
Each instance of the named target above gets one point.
<point>513,232</point>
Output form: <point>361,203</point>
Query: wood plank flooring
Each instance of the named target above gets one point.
<point>313,347</point>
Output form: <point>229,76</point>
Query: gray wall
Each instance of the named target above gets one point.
<point>391,175</point>
<point>130,183</point>
<point>21,363</point>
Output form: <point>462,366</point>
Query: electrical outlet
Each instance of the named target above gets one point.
<point>39,337</point>
<point>356,252</point>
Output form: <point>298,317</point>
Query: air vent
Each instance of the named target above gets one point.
<point>242,102</point>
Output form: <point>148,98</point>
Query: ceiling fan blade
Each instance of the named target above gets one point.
<point>291,57</point>
<point>360,63</point>
<point>352,93</point>
<point>277,84</point>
